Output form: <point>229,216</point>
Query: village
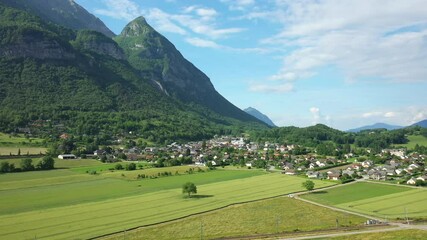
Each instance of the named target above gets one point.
<point>392,165</point>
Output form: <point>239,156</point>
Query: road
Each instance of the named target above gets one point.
<point>397,226</point>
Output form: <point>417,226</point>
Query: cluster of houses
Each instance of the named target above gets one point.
<point>230,150</point>
<point>404,168</point>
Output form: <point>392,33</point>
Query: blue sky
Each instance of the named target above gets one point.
<point>338,62</point>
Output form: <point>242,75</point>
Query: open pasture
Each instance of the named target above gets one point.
<point>384,201</point>
<point>269,216</point>
<point>117,204</point>
<point>414,140</point>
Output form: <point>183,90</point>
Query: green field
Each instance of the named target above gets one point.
<point>275,215</point>
<point>384,201</point>
<point>24,150</point>
<point>12,144</point>
<point>414,140</point>
<point>84,205</point>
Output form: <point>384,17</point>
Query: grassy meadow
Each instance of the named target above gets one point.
<point>277,215</point>
<point>384,201</point>
<point>69,203</point>
<point>11,144</point>
<point>414,140</point>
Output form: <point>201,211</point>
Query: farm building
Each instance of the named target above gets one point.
<point>67,156</point>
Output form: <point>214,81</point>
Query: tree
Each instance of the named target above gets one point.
<point>46,163</point>
<point>118,166</point>
<point>4,167</point>
<point>189,188</point>
<point>27,164</point>
<point>131,167</point>
<point>309,185</point>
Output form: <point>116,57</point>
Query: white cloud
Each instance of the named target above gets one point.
<point>401,116</point>
<point>198,42</point>
<point>264,88</point>
<point>120,9</point>
<point>197,20</point>
<point>163,22</point>
<point>239,4</point>
<point>366,40</point>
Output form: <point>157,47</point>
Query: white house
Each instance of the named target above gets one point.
<point>411,181</point>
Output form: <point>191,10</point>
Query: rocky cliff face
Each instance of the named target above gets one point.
<point>66,13</point>
<point>98,43</point>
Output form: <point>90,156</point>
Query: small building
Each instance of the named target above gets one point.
<point>411,181</point>
<point>67,156</point>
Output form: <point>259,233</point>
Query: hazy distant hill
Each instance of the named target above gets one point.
<point>254,112</point>
<point>422,123</point>
<point>66,13</point>
<point>376,126</point>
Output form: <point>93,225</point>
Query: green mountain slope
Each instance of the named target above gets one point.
<point>159,60</point>
<point>62,12</point>
<point>51,76</point>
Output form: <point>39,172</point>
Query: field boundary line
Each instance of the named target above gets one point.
<point>203,212</point>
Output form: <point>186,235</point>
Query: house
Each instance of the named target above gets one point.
<point>67,156</point>
<point>334,176</point>
<point>377,175</point>
<point>313,174</point>
<point>367,164</point>
<point>413,166</point>
<point>411,181</point>
<point>289,172</point>
<point>99,152</point>
<point>422,178</point>
<point>399,171</point>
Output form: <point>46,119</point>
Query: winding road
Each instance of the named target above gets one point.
<point>395,226</point>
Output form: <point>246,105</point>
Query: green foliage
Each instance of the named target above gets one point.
<point>27,164</point>
<point>46,163</point>
<point>118,166</point>
<point>189,188</point>
<point>130,167</point>
<point>309,185</point>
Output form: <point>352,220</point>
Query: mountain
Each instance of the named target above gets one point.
<point>376,126</point>
<point>252,111</point>
<point>55,79</point>
<point>157,59</point>
<point>66,13</point>
<point>422,123</point>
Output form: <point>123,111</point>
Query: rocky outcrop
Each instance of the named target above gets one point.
<point>105,48</point>
<point>39,50</point>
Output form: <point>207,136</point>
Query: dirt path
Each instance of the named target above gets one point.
<point>397,226</point>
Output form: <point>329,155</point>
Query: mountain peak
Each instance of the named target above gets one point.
<point>137,27</point>
<point>254,112</point>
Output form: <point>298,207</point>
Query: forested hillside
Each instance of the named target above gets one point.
<point>60,80</point>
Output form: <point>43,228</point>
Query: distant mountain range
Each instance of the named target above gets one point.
<point>387,126</point>
<point>254,112</point>
<point>422,123</point>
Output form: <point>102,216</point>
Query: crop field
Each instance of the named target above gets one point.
<point>277,215</point>
<point>66,204</point>
<point>24,150</point>
<point>384,201</point>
